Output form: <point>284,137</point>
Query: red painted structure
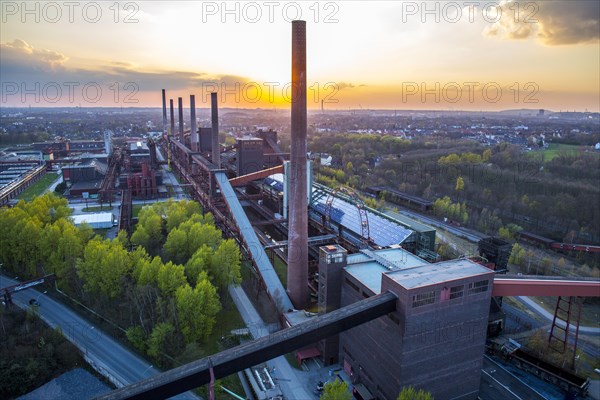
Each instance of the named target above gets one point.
<point>545,287</point>
<point>245,179</point>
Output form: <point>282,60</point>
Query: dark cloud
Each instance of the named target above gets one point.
<point>552,22</point>
<point>21,62</point>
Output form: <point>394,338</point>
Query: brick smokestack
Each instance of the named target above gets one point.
<point>164,104</point>
<point>297,283</point>
<point>193,132</point>
<point>172,117</point>
<point>216,153</point>
<point>180,104</point>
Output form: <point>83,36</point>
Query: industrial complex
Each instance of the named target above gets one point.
<point>389,311</point>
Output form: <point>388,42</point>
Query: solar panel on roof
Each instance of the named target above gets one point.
<point>383,232</point>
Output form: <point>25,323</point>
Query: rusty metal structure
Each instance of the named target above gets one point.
<point>298,215</point>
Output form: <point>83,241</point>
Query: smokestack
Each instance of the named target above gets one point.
<point>297,283</point>
<point>164,102</point>
<point>193,133</point>
<point>180,103</point>
<point>172,117</point>
<point>216,154</point>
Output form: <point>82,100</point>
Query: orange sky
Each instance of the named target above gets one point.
<point>393,55</point>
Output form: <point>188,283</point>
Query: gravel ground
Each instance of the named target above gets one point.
<point>77,384</point>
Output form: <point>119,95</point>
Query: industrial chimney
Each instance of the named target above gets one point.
<point>297,283</point>
<point>180,103</point>
<point>216,153</point>
<point>193,132</point>
<point>164,104</point>
<point>172,118</point>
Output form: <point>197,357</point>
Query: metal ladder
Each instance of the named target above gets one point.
<point>566,309</point>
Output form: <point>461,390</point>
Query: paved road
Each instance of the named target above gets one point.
<point>549,316</point>
<point>108,357</point>
<point>499,384</point>
<point>290,384</point>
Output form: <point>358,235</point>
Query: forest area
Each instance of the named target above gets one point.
<point>498,190</point>
<point>165,288</point>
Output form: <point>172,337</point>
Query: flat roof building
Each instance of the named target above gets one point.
<point>95,220</point>
<point>434,340</point>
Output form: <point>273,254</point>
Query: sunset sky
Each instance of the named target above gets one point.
<point>543,54</point>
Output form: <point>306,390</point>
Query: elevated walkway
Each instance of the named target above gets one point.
<point>225,363</point>
<point>545,286</point>
<point>274,287</point>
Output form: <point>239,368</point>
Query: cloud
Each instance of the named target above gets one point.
<point>22,62</point>
<point>19,51</point>
<point>552,22</point>
<point>347,85</point>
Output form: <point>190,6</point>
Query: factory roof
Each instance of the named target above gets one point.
<point>432,274</point>
<point>92,218</point>
<point>384,232</point>
<point>368,266</point>
<point>414,225</point>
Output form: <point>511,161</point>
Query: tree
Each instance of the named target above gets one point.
<point>460,184</point>
<point>176,246</point>
<point>197,308</point>
<point>103,266</point>
<point>170,277</point>
<point>158,338</point>
<point>199,262</point>
<point>137,337</point>
<point>409,393</point>
<point>336,390</point>
<point>487,154</point>
<point>225,265</point>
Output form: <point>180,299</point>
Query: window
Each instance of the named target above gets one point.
<point>478,287</point>
<point>423,299</point>
<point>456,291</point>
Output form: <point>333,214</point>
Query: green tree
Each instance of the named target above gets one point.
<point>146,271</point>
<point>409,393</point>
<point>487,154</point>
<point>225,265</point>
<point>103,266</point>
<point>460,184</point>
<point>336,390</point>
<point>158,339</point>
<point>199,262</point>
<point>137,337</point>
<point>170,277</point>
<point>197,308</point>
<point>176,246</point>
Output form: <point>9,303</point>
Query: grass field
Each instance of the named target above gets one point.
<point>39,187</point>
<point>555,149</point>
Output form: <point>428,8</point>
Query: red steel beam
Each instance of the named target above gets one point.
<point>545,287</point>
<point>242,180</point>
